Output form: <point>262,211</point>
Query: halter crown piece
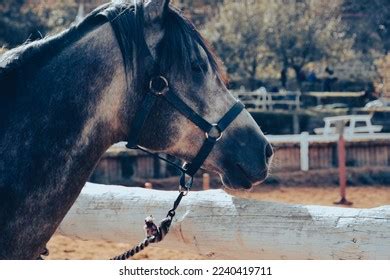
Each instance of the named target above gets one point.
<point>157,87</point>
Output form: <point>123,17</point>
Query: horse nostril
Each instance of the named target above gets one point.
<point>269,151</point>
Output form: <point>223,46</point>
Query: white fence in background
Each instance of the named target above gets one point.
<point>261,100</point>
<point>304,140</point>
<point>265,101</point>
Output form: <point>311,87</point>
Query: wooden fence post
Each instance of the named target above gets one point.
<point>342,164</point>
<point>206,181</point>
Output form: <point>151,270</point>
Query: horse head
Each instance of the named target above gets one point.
<point>192,71</point>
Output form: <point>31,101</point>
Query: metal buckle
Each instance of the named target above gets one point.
<point>185,186</point>
<point>159,85</point>
<point>185,190</point>
<point>219,133</point>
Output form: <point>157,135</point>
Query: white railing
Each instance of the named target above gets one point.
<point>304,140</point>
<point>296,138</point>
<point>264,101</point>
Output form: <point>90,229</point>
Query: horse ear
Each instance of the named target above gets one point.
<point>155,9</point>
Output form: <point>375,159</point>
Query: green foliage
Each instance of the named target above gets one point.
<point>237,36</point>
<point>284,34</point>
<point>306,31</point>
<point>16,22</point>
<point>369,21</point>
<point>255,38</point>
<point>383,81</point>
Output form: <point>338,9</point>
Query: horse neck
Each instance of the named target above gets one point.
<point>72,112</point>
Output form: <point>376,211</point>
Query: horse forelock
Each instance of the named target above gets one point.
<point>181,40</point>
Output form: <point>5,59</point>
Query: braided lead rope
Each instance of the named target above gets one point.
<point>135,250</point>
<point>154,234</point>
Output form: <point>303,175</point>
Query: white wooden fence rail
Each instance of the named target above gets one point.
<point>216,224</point>
<point>304,140</point>
<point>261,100</point>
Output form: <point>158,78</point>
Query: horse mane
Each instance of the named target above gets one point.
<point>180,39</point>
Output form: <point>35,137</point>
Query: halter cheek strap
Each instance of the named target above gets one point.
<point>159,88</point>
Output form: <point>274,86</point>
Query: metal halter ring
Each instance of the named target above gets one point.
<point>214,130</point>
<point>159,85</point>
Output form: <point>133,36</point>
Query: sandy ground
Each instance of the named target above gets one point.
<point>363,197</point>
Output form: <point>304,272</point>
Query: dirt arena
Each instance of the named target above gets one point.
<point>363,197</point>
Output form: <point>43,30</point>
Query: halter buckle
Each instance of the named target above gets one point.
<point>159,85</point>
<point>184,185</point>
<point>215,133</point>
<point>184,190</point>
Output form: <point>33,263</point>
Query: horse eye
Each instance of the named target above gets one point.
<point>199,67</point>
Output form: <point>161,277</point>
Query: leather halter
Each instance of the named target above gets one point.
<point>158,88</point>
<point>213,132</point>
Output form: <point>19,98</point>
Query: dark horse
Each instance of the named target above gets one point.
<point>66,99</point>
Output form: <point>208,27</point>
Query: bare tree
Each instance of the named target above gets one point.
<point>237,35</point>
<point>369,21</point>
<point>286,33</point>
<point>300,32</point>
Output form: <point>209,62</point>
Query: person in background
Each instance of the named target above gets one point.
<point>283,77</point>
<point>369,93</point>
<point>312,79</point>
<point>329,80</point>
